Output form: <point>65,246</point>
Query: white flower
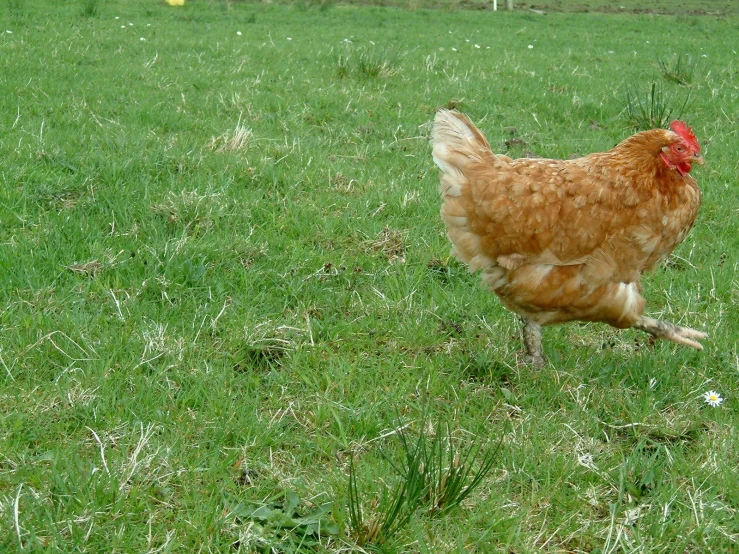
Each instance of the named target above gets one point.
<point>477,46</point>
<point>238,33</point>
<point>531,46</point>
<point>289,38</point>
<point>713,398</point>
<point>454,49</point>
<point>142,38</point>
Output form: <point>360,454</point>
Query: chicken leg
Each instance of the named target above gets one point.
<point>532,344</point>
<point>670,331</point>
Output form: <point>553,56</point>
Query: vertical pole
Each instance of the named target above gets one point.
<point>495,5</point>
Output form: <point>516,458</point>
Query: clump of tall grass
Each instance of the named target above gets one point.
<point>90,8</point>
<point>678,69</point>
<point>652,109</point>
<point>368,63</point>
<point>433,476</point>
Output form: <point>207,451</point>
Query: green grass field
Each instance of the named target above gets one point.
<point>225,283</point>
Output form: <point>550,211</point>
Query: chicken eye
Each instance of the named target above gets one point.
<point>679,148</point>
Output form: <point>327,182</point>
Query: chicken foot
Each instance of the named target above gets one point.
<point>670,331</point>
<point>532,344</point>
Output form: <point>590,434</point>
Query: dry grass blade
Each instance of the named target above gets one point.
<point>390,243</point>
<point>233,140</point>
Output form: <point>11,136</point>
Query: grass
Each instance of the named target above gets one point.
<point>679,69</point>
<point>433,476</point>
<point>656,7</point>
<point>653,109</point>
<point>224,279</point>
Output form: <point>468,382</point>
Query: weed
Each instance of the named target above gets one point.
<point>279,525</point>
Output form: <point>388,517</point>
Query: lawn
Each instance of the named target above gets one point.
<point>226,287</point>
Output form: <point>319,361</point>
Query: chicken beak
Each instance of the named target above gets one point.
<point>697,158</point>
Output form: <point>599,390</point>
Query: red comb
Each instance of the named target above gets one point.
<point>686,133</point>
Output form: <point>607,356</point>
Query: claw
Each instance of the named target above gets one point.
<point>670,331</point>
<point>680,339</point>
<point>537,362</point>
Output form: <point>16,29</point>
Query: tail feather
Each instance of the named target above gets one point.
<point>457,131</point>
<point>456,144</point>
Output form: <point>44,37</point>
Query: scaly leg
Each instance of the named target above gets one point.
<point>532,344</point>
<point>670,331</point>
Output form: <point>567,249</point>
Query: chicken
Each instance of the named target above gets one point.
<point>565,240</point>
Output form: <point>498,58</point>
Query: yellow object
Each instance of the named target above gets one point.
<point>176,2</point>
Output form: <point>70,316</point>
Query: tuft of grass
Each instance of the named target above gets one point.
<point>367,63</point>
<point>451,472</point>
<point>265,345</point>
<point>433,476</point>
<point>678,69</point>
<point>90,8</point>
<point>233,140</point>
<point>387,514</point>
<point>653,109</point>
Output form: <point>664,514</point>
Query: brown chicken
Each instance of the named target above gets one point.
<point>564,240</point>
